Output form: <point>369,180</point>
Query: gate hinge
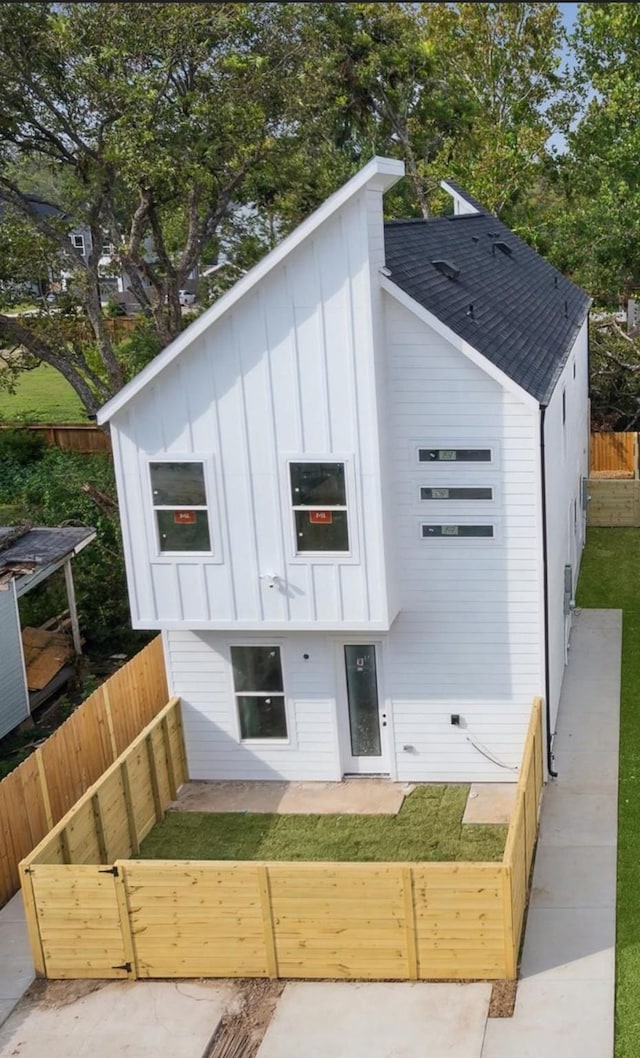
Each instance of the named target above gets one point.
<point>114,872</point>
<point>27,870</point>
<point>124,966</point>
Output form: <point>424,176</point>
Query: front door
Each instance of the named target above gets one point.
<point>365,722</point>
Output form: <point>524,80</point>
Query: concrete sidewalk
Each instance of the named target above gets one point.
<point>565,1002</point>
<point>16,968</point>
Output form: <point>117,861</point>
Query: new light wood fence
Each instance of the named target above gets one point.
<point>47,784</point>
<point>403,921</point>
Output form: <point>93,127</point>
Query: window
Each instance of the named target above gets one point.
<point>180,505</point>
<point>456,530</point>
<point>78,242</point>
<point>257,679</point>
<point>564,407</point>
<point>462,493</point>
<point>319,502</point>
<point>454,455</point>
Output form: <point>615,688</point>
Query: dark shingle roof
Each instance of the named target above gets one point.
<point>525,315</point>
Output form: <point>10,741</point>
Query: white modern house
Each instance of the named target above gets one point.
<point>352,498</point>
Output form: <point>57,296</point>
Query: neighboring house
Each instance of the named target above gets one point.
<point>351,498</point>
<point>36,662</point>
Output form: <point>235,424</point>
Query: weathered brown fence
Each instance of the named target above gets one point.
<point>614,455</point>
<point>44,787</point>
<point>403,921</point>
<point>70,437</point>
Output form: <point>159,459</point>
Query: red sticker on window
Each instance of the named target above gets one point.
<point>184,517</point>
<point>321,517</point>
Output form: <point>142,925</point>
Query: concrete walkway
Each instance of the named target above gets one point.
<point>565,1002</point>
<point>16,968</point>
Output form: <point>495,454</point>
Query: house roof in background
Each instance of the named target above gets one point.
<point>506,301</point>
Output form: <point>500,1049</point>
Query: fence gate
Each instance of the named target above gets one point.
<point>80,911</point>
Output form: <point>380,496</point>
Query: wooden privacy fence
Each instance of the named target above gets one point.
<point>85,438</point>
<point>613,502</point>
<point>94,912</point>
<point>47,784</point>
<point>614,455</point>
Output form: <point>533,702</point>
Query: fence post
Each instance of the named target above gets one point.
<point>31,916</point>
<point>120,883</point>
<point>510,954</point>
<point>109,715</point>
<point>128,802</point>
<point>267,921</point>
<point>98,823</point>
<point>410,922</point>
<point>166,742</point>
<point>153,775</point>
<point>44,789</point>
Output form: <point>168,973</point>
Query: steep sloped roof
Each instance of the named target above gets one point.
<point>506,301</point>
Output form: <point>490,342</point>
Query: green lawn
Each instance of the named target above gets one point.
<point>42,395</point>
<point>428,827</point>
<point>610,577</point>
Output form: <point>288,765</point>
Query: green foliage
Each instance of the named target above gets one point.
<point>49,492</point>
<point>615,375</point>
<point>21,446</point>
<point>428,827</point>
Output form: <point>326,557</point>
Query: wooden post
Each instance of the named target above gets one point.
<point>267,921</point>
<point>128,801</point>
<point>73,611</point>
<point>44,789</point>
<point>120,883</point>
<point>153,775</point>
<point>510,953</point>
<point>31,916</point>
<point>98,823</point>
<point>183,751</point>
<point>109,714</point>
<point>64,846</point>
<point>166,741</point>
<point>410,923</point>
<point>636,468</point>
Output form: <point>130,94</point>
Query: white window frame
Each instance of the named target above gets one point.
<point>317,557</point>
<point>78,245</point>
<point>290,741</point>
<point>214,554</point>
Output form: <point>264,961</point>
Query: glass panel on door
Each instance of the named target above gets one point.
<point>362,698</point>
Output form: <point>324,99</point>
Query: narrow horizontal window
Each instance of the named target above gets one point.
<point>457,493</point>
<point>456,530</point>
<point>319,504</point>
<point>180,506</point>
<point>259,692</point>
<point>454,455</point>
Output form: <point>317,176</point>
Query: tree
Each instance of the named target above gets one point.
<point>600,229</point>
<point>148,119</point>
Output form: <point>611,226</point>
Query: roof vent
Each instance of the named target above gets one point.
<point>470,312</point>
<point>503,247</point>
<point>447,268</point>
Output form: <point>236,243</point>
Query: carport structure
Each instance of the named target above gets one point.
<point>28,557</point>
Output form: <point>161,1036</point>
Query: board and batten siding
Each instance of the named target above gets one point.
<point>468,636</point>
<point>199,670</point>
<point>566,460</point>
<point>14,698</point>
<point>287,373</point>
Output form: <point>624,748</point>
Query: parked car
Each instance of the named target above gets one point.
<point>187,297</point>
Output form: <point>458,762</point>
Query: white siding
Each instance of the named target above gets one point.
<point>566,460</point>
<point>14,700</point>
<point>199,671</point>
<point>467,639</point>
<point>287,373</point>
